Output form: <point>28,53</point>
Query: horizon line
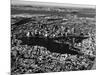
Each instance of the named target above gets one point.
<point>53,4</point>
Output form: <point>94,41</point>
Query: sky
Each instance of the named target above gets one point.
<point>52,3</point>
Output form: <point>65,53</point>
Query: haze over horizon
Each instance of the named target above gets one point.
<point>52,4</point>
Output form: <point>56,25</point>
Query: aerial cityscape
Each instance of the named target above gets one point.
<point>52,38</point>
